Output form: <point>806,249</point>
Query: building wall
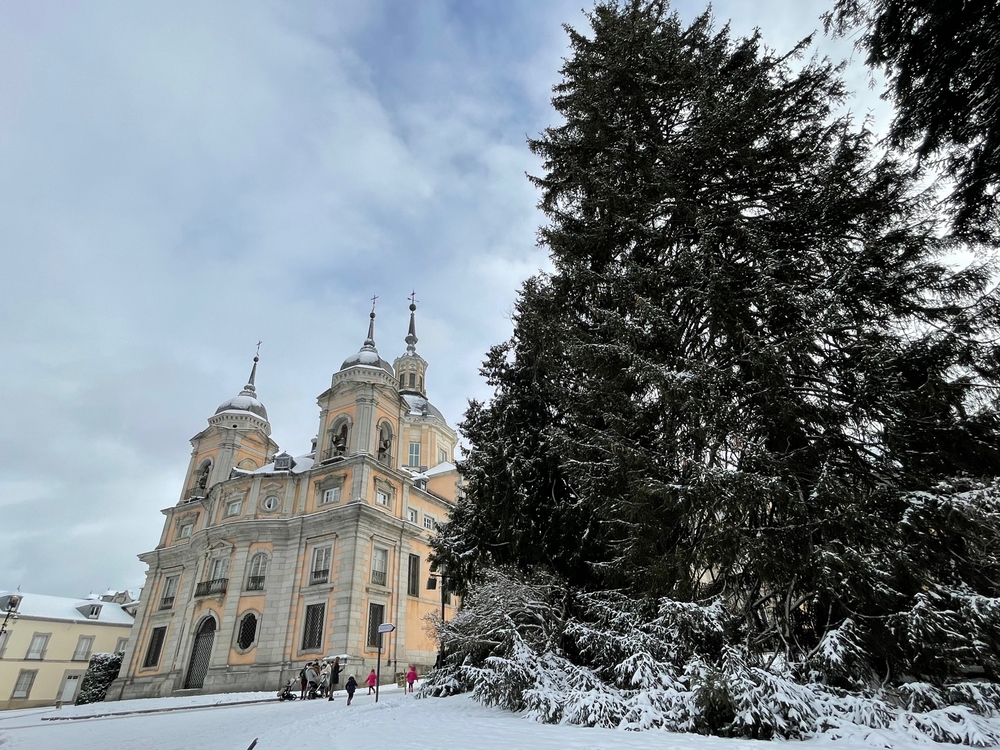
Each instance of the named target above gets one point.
<point>57,661</point>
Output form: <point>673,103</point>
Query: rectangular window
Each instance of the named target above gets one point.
<point>414,454</point>
<point>22,688</point>
<point>39,642</point>
<point>380,566</point>
<point>154,648</point>
<point>331,495</point>
<point>413,576</point>
<point>83,647</point>
<point>442,455</point>
<point>411,515</point>
<point>321,565</point>
<point>375,614</point>
<point>217,568</point>
<point>312,634</point>
<point>428,522</point>
<point>233,509</point>
<point>4,637</point>
<point>185,531</point>
<point>382,498</point>
<point>169,592</point>
<point>120,646</point>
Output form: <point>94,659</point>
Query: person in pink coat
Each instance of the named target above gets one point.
<point>411,677</point>
<point>370,681</point>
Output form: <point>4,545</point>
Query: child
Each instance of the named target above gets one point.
<point>411,677</point>
<point>370,682</point>
<point>351,686</point>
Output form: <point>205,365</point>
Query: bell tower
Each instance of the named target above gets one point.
<point>238,436</point>
<point>411,368</point>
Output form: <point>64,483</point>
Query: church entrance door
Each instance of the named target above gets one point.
<point>201,654</point>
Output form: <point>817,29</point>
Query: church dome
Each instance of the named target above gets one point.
<point>368,356</point>
<point>244,402</point>
<point>247,399</point>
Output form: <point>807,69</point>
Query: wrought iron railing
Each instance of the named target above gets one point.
<point>255,583</point>
<point>378,577</point>
<point>166,602</point>
<point>215,586</point>
<point>320,576</point>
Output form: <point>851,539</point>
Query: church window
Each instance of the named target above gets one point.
<point>321,564</point>
<point>155,647</point>
<point>413,380</point>
<point>233,509</point>
<point>420,383</point>
<point>185,530</point>
<point>413,576</point>
<point>331,495</point>
<point>247,632</point>
<point>270,503</point>
<point>429,522</point>
<point>414,459</point>
<point>312,633</point>
<point>376,612</point>
<point>218,568</point>
<point>402,379</point>
<point>411,515</point>
<point>258,572</point>
<point>385,444</point>
<point>169,592</point>
<point>380,566</point>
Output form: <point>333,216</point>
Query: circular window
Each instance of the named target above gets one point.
<point>270,502</point>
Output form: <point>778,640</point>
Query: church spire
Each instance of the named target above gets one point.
<point>370,341</point>
<point>250,389</point>
<point>411,336</point>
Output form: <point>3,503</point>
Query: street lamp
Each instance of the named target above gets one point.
<point>432,582</point>
<point>9,602</point>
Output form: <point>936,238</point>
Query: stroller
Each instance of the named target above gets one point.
<point>286,693</point>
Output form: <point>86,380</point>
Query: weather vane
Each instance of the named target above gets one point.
<point>258,347</point>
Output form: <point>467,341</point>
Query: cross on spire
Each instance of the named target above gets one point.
<point>374,297</point>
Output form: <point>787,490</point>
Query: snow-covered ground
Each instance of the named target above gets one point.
<point>398,721</point>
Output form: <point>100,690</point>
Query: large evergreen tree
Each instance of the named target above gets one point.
<point>942,59</point>
<point>752,375</point>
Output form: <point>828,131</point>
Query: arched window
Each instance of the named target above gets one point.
<point>201,478</point>
<point>247,633</point>
<point>384,447</point>
<point>338,438</point>
<point>413,380</point>
<point>402,379</point>
<point>258,572</point>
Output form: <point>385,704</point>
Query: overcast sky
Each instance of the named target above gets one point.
<point>179,180</point>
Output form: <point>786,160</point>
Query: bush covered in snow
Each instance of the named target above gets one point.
<point>603,659</point>
<point>101,672</point>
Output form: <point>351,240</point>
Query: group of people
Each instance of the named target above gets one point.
<point>320,680</point>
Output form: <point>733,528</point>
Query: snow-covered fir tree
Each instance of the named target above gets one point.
<point>752,385</point>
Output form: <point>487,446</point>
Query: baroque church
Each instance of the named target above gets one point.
<point>269,561</point>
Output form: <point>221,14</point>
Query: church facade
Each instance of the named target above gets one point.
<point>269,561</point>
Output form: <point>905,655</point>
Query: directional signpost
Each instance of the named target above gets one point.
<point>385,627</point>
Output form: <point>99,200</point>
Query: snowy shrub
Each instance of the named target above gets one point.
<point>605,660</point>
<point>101,672</point>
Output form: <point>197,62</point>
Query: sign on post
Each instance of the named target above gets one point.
<point>385,627</point>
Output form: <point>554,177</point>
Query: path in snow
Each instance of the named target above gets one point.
<point>397,722</point>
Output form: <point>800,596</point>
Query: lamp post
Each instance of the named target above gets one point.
<point>432,581</point>
<point>384,629</point>
<point>13,600</point>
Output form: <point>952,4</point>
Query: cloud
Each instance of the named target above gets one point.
<point>183,179</point>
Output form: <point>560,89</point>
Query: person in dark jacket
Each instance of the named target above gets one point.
<point>334,676</point>
<point>351,686</point>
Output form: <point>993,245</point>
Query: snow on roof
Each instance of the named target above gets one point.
<point>301,464</point>
<point>47,607</point>
<point>442,468</point>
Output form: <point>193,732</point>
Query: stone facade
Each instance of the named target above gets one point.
<point>269,561</point>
